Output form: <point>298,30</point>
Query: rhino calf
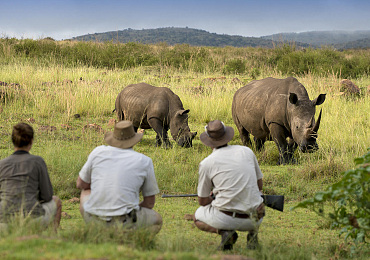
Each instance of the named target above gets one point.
<point>274,110</point>
<point>158,108</point>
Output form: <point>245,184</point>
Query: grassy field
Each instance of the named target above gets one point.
<point>49,97</point>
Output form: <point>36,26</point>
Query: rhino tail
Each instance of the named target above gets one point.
<point>234,114</point>
<point>120,114</point>
<point>118,109</point>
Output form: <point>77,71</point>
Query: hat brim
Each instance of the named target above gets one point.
<point>127,143</point>
<point>227,137</point>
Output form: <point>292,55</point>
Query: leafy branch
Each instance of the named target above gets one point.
<point>350,202</point>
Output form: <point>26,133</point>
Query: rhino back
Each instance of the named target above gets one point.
<point>142,101</point>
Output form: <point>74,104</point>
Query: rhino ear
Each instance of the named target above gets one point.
<point>293,98</point>
<point>319,100</point>
<point>182,112</point>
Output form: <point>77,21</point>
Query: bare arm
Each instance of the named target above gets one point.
<point>203,201</point>
<point>260,184</point>
<point>82,185</point>
<point>148,202</point>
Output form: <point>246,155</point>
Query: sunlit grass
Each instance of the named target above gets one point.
<point>49,102</point>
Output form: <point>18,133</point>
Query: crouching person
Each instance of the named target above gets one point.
<point>112,179</point>
<point>25,186</point>
<point>229,188</point>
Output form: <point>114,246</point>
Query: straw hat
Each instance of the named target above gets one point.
<point>217,134</point>
<point>123,136</point>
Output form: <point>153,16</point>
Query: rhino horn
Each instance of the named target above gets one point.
<point>317,125</point>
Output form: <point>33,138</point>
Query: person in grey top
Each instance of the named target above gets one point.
<point>25,186</point>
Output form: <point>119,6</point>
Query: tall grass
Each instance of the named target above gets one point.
<point>50,94</point>
<point>285,59</point>
<point>49,98</point>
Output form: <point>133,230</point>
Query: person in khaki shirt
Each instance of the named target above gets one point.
<point>25,186</point>
<point>229,188</point>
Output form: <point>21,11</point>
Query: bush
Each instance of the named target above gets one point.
<point>235,66</point>
<point>350,198</point>
<point>286,59</point>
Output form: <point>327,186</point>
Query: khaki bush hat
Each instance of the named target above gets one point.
<point>217,134</point>
<point>123,136</point>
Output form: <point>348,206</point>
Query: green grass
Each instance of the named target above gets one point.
<point>344,134</point>
<point>298,234</point>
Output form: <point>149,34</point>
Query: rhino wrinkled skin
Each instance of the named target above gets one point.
<point>274,110</point>
<point>158,108</point>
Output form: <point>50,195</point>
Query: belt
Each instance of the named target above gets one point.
<point>235,214</point>
<point>123,218</point>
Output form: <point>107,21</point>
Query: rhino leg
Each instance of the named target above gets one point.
<point>158,141</point>
<point>244,136</point>
<point>279,137</point>
<point>161,131</point>
<point>259,143</point>
<point>292,146</point>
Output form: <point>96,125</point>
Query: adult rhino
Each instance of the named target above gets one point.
<point>158,108</point>
<point>275,109</point>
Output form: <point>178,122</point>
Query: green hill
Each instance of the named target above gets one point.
<point>358,44</point>
<point>172,36</point>
<point>325,38</point>
<point>196,37</point>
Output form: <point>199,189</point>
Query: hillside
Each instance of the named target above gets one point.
<point>174,36</point>
<point>196,37</point>
<point>358,44</point>
<point>339,39</point>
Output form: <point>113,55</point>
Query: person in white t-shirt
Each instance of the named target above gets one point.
<point>113,177</point>
<point>229,188</point>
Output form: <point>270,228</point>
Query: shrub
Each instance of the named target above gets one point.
<point>235,66</point>
<point>285,59</point>
<point>350,199</point>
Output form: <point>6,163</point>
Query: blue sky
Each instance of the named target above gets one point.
<point>64,19</point>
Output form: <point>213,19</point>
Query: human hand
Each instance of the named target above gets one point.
<point>261,211</point>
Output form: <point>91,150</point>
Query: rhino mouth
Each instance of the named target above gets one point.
<point>309,148</point>
<point>185,142</point>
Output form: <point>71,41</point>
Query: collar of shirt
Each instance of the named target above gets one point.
<point>20,152</point>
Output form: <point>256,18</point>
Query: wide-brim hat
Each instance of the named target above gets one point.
<point>123,136</point>
<point>217,134</point>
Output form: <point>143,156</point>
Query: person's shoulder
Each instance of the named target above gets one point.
<point>142,156</point>
<point>5,161</point>
<point>36,158</point>
<point>208,160</point>
<point>241,147</point>
<point>100,149</point>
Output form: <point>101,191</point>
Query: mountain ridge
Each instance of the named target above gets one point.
<point>198,37</point>
<point>322,38</point>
